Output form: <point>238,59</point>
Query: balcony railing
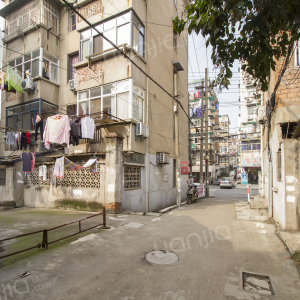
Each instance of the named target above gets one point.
<point>95,140</point>
<point>35,13</point>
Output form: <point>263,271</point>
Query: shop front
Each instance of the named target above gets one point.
<point>250,166</point>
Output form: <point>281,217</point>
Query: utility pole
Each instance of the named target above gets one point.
<point>190,142</point>
<point>201,136</point>
<point>178,190</point>
<point>206,135</point>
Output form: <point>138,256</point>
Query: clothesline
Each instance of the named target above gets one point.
<point>15,129</point>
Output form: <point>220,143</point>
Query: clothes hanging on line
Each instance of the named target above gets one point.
<point>63,163</point>
<point>26,158</point>
<point>75,132</point>
<point>32,162</point>
<point>87,128</point>
<point>91,163</point>
<point>23,141</point>
<point>39,125</point>
<point>57,130</point>
<point>59,168</point>
<point>28,138</point>
<point>43,172</point>
<point>10,138</point>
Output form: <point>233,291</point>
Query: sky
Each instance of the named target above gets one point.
<point>199,59</point>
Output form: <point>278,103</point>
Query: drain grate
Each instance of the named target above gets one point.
<point>256,283</point>
<point>162,257</point>
<point>134,225</point>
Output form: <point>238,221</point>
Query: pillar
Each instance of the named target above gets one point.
<point>113,173</point>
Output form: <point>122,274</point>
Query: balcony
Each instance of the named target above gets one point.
<point>29,17</point>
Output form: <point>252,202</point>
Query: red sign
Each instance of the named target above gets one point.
<point>184,167</point>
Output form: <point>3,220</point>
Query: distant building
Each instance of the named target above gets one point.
<point>224,142</point>
<point>195,94</point>
<point>250,97</point>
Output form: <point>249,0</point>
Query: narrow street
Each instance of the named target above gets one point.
<point>212,245</point>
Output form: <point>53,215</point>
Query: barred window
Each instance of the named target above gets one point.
<point>2,176</point>
<point>132,177</point>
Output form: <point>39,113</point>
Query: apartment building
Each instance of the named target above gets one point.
<point>195,98</point>
<point>224,142</point>
<point>233,152</point>
<point>281,144</point>
<point>69,69</point>
<point>250,97</point>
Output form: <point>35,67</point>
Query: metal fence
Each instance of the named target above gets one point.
<point>45,243</point>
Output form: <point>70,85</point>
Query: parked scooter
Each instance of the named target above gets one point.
<point>192,193</point>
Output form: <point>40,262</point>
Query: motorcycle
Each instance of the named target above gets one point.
<point>192,193</point>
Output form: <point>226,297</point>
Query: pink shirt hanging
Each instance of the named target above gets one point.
<point>57,130</point>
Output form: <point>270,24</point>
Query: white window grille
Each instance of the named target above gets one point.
<point>34,13</point>
<point>132,177</point>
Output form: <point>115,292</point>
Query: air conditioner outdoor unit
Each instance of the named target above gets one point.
<point>27,84</point>
<point>142,130</point>
<point>72,85</point>
<point>162,158</point>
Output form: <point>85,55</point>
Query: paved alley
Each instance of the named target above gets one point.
<point>213,247</point>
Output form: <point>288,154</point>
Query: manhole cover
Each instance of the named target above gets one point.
<point>162,257</point>
<point>257,283</point>
<point>134,225</point>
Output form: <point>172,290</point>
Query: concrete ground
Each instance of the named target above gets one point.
<point>212,245</point>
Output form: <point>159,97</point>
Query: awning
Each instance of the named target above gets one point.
<point>177,65</point>
<point>11,7</point>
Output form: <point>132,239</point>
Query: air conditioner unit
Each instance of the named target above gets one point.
<point>162,158</point>
<point>142,130</point>
<point>72,85</point>
<point>27,84</point>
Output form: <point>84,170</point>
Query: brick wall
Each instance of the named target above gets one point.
<point>288,92</point>
<point>13,96</point>
<point>91,9</point>
<point>85,73</point>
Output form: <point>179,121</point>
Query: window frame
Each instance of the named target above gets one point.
<point>113,94</point>
<point>139,180</point>
<point>279,165</point>
<point>297,54</point>
<point>40,58</point>
<point>2,178</point>
<point>35,107</point>
<point>101,27</point>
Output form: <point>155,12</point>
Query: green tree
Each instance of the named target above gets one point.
<point>257,32</point>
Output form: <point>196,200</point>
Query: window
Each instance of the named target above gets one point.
<point>39,62</point>
<point>132,177</point>
<point>71,21</point>
<point>118,30</point>
<point>22,116</point>
<point>297,54</point>
<point>2,176</point>
<point>72,60</point>
<point>123,99</point>
<point>174,172</point>
<point>279,175</point>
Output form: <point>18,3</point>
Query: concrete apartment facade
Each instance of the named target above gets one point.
<point>224,142</point>
<point>85,75</point>
<point>250,97</point>
<point>281,145</point>
<point>195,98</point>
